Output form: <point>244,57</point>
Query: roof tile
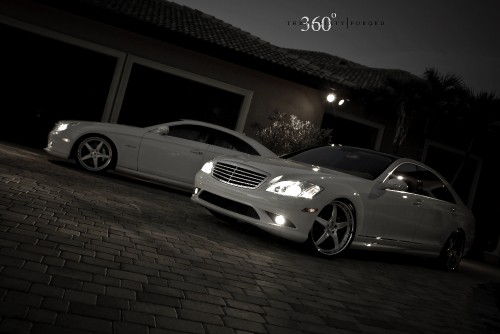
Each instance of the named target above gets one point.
<point>172,17</point>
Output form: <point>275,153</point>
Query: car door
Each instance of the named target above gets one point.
<point>396,212</point>
<point>440,215</point>
<point>223,143</point>
<point>177,155</point>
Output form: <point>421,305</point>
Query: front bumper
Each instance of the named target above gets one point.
<point>58,145</point>
<point>257,207</point>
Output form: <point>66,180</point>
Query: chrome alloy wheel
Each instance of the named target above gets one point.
<point>333,229</point>
<point>452,252</point>
<point>95,154</point>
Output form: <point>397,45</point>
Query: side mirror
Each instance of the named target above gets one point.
<point>163,130</point>
<point>395,184</point>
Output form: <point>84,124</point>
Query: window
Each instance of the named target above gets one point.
<point>421,181</point>
<point>434,187</point>
<point>154,96</point>
<point>189,132</point>
<point>223,139</point>
<point>407,172</point>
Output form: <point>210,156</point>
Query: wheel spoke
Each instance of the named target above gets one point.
<point>322,221</point>
<point>341,225</point>
<point>88,156</point>
<point>333,217</point>
<point>335,238</point>
<point>102,155</point>
<point>323,237</point>
<point>90,148</point>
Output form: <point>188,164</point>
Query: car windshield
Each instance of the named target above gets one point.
<point>355,161</point>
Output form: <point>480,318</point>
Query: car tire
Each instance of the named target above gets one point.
<point>452,252</point>
<point>333,229</point>
<point>95,154</point>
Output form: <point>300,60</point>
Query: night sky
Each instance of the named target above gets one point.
<point>461,37</point>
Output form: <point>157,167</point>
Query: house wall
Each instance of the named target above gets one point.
<point>269,92</point>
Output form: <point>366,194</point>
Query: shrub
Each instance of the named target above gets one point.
<point>287,133</point>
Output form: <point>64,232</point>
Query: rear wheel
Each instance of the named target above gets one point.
<point>452,252</point>
<point>95,154</point>
<point>333,229</point>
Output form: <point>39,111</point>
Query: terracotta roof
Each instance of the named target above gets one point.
<point>195,29</point>
<point>342,69</point>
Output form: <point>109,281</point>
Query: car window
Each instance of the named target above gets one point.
<point>225,140</point>
<point>407,172</point>
<point>189,132</point>
<point>434,187</point>
<point>423,182</point>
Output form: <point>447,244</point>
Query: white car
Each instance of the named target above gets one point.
<point>169,153</point>
<point>336,197</point>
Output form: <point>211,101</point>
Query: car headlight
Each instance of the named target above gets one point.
<point>61,126</point>
<point>295,189</point>
<point>207,167</point>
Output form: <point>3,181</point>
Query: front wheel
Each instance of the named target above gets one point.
<point>95,154</point>
<point>333,229</point>
<point>452,252</point>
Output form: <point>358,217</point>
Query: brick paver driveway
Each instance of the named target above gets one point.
<point>81,253</point>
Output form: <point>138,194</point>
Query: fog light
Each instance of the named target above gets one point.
<point>196,190</point>
<point>280,220</point>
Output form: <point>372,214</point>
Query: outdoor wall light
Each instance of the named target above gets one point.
<point>343,101</point>
<point>330,97</point>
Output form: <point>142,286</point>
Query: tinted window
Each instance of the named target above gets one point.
<point>434,187</point>
<point>363,163</point>
<point>423,182</point>
<point>189,132</point>
<point>408,173</point>
<point>223,139</point>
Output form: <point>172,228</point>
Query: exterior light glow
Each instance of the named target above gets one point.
<point>207,167</point>
<point>330,97</point>
<point>280,220</point>
<point>309,210</point>
<point>341,102</point>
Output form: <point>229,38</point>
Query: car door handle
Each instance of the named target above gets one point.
<point>417,202</point>
<point>197,152</point>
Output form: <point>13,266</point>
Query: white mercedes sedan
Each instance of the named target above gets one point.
<point>169,153</point>
<point>336,197</point>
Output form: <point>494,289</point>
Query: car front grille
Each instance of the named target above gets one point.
<point>238,176</point>
<point>228,204</point>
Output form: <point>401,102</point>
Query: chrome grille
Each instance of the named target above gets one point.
<point>238,176</point>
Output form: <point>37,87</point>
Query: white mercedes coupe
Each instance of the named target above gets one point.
<point>336,197</point>
<point>169,153</point>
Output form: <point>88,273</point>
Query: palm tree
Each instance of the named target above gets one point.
<point>482,115</point>
<point>407,97</point>
<point>433,99</point>
<point>443,99</point>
